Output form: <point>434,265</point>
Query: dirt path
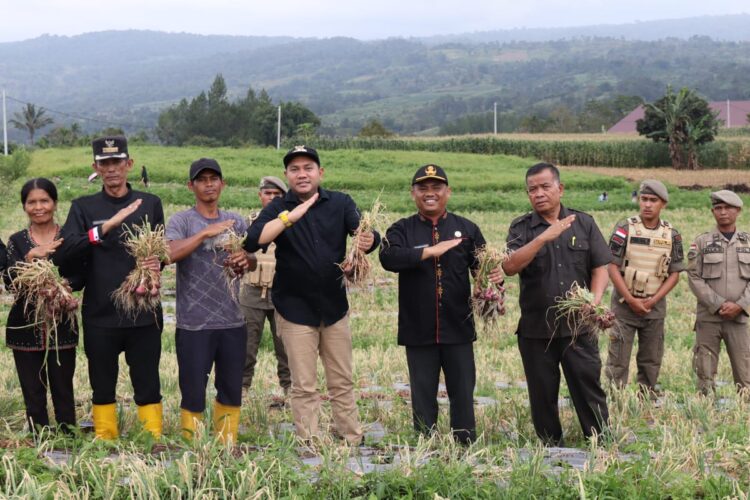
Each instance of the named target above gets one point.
<point>738,179</point>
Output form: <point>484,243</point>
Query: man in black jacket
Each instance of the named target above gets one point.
<point>433,251</point>
<point>94,236</point>
<point>310,226</point>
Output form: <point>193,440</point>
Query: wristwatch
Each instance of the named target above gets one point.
<point>284,217</point>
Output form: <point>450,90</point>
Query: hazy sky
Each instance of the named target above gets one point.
<point>23,19</point>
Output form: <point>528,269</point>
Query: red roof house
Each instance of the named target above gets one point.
<point>732,113</point>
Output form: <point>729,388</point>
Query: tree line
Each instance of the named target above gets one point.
<point>211,119</point>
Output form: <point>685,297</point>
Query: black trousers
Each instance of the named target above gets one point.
<point>35,373</point>
<point>197,352</point>
<point>582,367</point>
<point>142,347</point>
<point>457,363</point>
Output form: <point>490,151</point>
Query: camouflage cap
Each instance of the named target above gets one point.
<point>652,186</point>
<point>271,182</point>
<point>726,196</point>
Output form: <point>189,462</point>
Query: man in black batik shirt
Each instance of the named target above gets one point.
<point>433,252</point>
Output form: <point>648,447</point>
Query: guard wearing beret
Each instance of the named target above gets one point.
<point>719,272</point>
<point>255,296</point>
<point>433,252</point>
<point>647,258</point>
<point>94,235</point>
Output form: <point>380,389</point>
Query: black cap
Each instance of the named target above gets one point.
<point>301,151</point>
<point>199,166</point>
<point>113,146</point>
<point>427,172</point>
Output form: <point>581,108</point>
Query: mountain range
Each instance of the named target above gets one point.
<point>126,77</point>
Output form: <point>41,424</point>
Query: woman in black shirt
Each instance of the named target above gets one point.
<point>42,358</point>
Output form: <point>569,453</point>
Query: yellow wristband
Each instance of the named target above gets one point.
<point>284,217</point>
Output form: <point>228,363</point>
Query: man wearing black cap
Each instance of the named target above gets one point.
<point>309,226</point>
<point>647,259</point>
<point>433,252</point>
<point>210,326</point>
<point>256,298</point>
<point>551,248</point>
<point>719,276</point>
<point>94,234</point>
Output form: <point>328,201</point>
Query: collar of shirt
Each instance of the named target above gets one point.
<point>121,199</point>
<point>429,221</point>
<point>291,198</point>
<point>537,219</point>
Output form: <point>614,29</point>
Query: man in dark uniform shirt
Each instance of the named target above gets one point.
<point>433,252</point>
<point>552,248</point>
<point>93,235</point>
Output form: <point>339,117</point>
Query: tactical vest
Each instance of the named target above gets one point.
<point>647,257</point>
<point>264,272</point>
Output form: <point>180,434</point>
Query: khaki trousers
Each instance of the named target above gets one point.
<point>708,337</point>
<point>648,358</point>
<point>303,345</point>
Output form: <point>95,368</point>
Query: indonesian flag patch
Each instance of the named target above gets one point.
<point>94,237</point>
<point>619,236</point>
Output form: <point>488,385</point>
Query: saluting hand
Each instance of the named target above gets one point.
<point>43,251</point>
<point>217,228</point>
<point>440,248</point>
<point>120,216</point>
<point>301,209</point>
<point>559,227</point>
<point>365,241</point>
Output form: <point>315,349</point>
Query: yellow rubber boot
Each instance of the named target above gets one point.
<point>105,421</point>
<point>226,422</point>
<point>188,422</point>
<point>150,417</point>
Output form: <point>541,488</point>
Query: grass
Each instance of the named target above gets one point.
<point>687,447</point>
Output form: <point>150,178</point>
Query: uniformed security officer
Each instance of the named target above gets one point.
<point>719,272</point>
<point>255,297</point>
<point>647,260</point>
<point>551,248</point>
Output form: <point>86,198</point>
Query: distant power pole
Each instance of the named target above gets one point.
<point>5,128</point>
<point>278,131</point>
<point>495,112</point>
<point>729,115</point>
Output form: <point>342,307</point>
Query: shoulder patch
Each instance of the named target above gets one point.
<point>693,252</point>
<point>520,219</point>
<point>577,211</point>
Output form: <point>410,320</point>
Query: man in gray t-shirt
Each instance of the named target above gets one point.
<point>210,327</point>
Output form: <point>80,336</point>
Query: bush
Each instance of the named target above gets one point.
<point>15,166</point>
